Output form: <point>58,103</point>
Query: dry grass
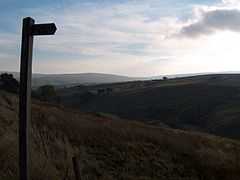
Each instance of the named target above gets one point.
<point>109,148</point>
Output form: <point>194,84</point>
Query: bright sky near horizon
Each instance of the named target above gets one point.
<point>134,37</point>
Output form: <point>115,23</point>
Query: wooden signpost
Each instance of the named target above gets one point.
<point>29,30</point>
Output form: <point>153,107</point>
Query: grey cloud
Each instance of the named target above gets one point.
<point>212,21</point>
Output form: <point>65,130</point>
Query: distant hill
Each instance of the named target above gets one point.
<point>206,103</point>
<point>69,80</point>
<point>76,79</point>
<point>110,148</point>
<point>62,80</point>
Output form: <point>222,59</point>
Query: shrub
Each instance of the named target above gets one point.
<point>9,83</point>
<point>45,92</point>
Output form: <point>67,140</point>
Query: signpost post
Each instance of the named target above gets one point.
<point>29,30</point>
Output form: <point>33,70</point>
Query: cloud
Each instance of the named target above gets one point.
<point>110,34</point>
<point>113,38</point>
<point>213,21</point>
<point>121,38</point>
<point>125,37</point>
<point>230,2</point>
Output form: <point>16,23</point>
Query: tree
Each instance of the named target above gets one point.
<point>165,78</point>
<point>9,83</point>
<point>46,92</point>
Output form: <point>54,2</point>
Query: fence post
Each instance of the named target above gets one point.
<point>76,168</point>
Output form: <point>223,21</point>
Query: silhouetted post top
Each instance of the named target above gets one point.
<point>41,29</point>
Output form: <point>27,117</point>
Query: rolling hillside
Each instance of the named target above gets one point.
<point>111,148</point>
<point>208,103</point>
<point>61,80</point>
<point>69,80</point>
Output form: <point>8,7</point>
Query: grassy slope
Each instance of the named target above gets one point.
<point>205,103</point>
<point>109,148</point>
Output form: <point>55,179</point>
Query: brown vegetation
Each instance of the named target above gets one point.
<point>111,148</point>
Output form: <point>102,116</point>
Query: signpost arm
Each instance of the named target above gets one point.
<point>25,97</point>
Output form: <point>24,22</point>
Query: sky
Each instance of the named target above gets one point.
<point>125,37</point>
